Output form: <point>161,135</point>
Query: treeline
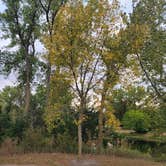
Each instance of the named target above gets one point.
<point>99,68</point>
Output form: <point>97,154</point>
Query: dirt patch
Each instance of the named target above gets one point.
<point>55,159</point>
<point>84,163</point>
<point>17,165</point>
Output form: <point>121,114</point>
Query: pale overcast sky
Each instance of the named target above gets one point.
<point>11,79</point>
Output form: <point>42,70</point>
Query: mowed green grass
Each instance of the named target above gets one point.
<point>58,159</point>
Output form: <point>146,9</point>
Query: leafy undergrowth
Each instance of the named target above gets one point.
<point>56,159</point>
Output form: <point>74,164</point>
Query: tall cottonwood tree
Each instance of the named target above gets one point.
<point>146,39</point>
<point>112,58</point>
<point>50,9</point>
<point>19,23</point>
<point>72,53</point>
<point>78,47</point>
<point>114,61</point>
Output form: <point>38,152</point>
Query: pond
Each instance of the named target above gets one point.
<point>153,146</point>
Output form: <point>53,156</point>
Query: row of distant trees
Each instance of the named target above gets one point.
<point>90,47</point>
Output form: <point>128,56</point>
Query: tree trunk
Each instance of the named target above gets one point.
<point>27,97</point>
<point>101,117</point>
<point>82,107</point>
<point>100,135</point>
<point>48,75</point>
<point>79,139</point>
<point>27,86</point>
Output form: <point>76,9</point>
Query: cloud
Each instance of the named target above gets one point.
<point>126,5</point>
<point>7,81</point>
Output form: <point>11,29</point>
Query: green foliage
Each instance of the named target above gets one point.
<point>86,54</point>
<point>11,99</point>
<point>149,48</point>
<point>136,120</point>
<point>20,22</point>
<point>13,121</point>
<point>13,129</point>
<point>59,103</point>
<point>127,99</point>
<point>157,119</point>
<point>89,126</point>
<point>162,112</point>
<point>34,140</point>
<point>66,143</point>
<point>4,125</point>
<point>18,127</point>
<point>130,153</point>
<point>36,113</point>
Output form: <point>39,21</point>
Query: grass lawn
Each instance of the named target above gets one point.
<point>57,159</point>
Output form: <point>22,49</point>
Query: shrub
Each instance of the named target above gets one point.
<point>34,141</point>
<point>65,143</point>
<point>130,153</point>
<point>5,126</point>
<point>18,127</point>
<point>136,120</point>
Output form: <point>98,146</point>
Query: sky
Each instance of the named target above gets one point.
<point>11,79</point>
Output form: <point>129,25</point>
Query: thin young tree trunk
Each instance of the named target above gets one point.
<point>100,124</point>
<point>100,136</point>
<point>79,139</point>
<point>82,107</point>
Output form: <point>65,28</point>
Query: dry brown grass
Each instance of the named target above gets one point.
<point>65,160</point>
<point>8,147</point>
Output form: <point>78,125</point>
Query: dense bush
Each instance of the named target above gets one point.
<point>157,119</point>
<point>65,143</point>
<point>34,140</point>
<point>19,125</point>
<point>136,120</point>
<point>5,125</point>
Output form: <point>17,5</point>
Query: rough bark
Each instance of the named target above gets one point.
<point>28,82</point>
<point>101,114</point>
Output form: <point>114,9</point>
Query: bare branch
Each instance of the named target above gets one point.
<point>92,75</point>
<point>148,77</point>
